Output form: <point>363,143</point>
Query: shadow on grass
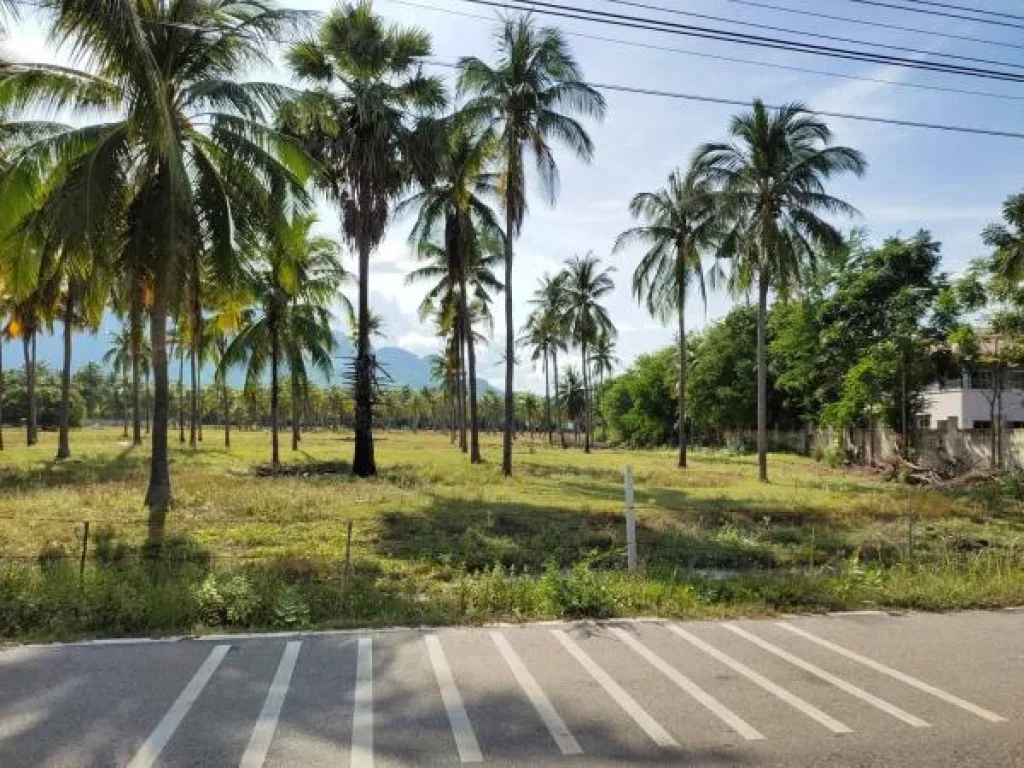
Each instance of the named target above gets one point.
<point>126,465</point>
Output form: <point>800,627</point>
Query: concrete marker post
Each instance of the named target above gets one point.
<point>348,547</point>
<point>85,550</point>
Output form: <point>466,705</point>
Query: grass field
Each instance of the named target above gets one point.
<point>437,540</point>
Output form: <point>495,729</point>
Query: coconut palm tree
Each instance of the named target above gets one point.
<point>585,285</point>
<point>1007,239</point>
<point>548,317</point>
<point>575,400</point>
<point>527,99</point>
<point>454,208</point>
<point>680,224</point>
<point>119,357</point>
<point>179,159</point>
<point>362,123</point>
<point>771,191</point>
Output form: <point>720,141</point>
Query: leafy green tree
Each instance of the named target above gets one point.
<point>527,99</point>
<point>586,284</point>
<point>640,407</point>
<point>681,225</point>
<point>1007,241</point>
<point>363,124</point>
<point>772,178</point>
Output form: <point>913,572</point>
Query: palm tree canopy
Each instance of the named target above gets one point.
<point>771,178</point>
<point>526,99</point>
<point>680,225</point>
<point>1008,241</point>
<point>585,285</point>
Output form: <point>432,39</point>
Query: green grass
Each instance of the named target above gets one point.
<point>438,541</point>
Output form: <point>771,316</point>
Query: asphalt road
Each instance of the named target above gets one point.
<point>866,690</point>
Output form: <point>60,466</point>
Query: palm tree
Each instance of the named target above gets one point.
<point>1008,241</point>
<point>526,100</point>
<point>575,400</point>
<point>770,180</point>
<point>362,125</point>
<point>680,225</point>
<point>585,285</point>
<point>180,160</point>
<point>119,357</point>
<point>454,207</point>
<point>222,327</point>
<point>548,317</point>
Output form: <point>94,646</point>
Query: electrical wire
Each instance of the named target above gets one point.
<point>939,12</point>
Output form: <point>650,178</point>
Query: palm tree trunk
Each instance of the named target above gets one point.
<point>586,399</point>
<point>363,462</point>
<point>32,428</point>
<point>474,426</point>
<point>135,323</point>
<point>275,450</point>
<point>295,411</point>
<point>682,378</point>
<point>225,404</point>
<point>124,396</point>
<point>158,495</point>
<point>1,392</point>
<point>181,392</point>
<point>149,399</point>
<point>461,341</point>
<point>762,379</point>
<point>64,435</point>
<point>510,342</point>
<point>558,403</point>
<point>193,404</point>
<point>547,402</point>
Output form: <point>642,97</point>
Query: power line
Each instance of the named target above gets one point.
<point>759,41</point>
<point>983,11</point>
<point>935,12</point>
<point>876,24</point>
<point>824,113</point>
<point>733,59</point>
<point>789,31</point>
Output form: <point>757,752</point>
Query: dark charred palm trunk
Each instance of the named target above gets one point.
<point>135,323</point>
<point>192,398</point>
<point>762,379</point>
<point>275,353</point>
<point>460,338</point>
<point>682,380</point>
<point>510,336</point>
<point>364,463</point>
<point>158,495</point>
<point>586,399</point>
<point>64,435</point>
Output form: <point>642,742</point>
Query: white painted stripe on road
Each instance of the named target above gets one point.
<point>776,690</point>
<point>462,729</point>
<point>556,726</point>
<point>658,735</point>
<point>263,733</point>
<point>362,715</point>
<point>913,682</point>
<point>154,745</point>
<point>828,677</point>
<point>723,713</point>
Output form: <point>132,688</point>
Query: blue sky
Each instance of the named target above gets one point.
<point>947,183</point>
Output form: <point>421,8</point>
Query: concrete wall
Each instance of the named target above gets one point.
<point>971,405</point>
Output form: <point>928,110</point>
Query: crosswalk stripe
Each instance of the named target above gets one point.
<point>362,714</point>
<point>462,729</point>
<point>686,684</point>
<point>556,726</point>
<point>828,677</point>
<point>913,682</point>
<point>259,743</point>
<point>154,745</point>
<point>776,690</point>
<point>658,735</point>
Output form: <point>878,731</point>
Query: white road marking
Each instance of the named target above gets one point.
<point>658,735</point>
<point>154,745</point>
<point>913,682</point>
<point>556,726</point>
<point>263,733</point>
<point>776,690</point>
<point>828,677</point>
<point>462,729</point>
<point>686,684</point>
<point>362,715</point>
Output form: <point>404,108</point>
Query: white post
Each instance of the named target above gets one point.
<point>630,523</point>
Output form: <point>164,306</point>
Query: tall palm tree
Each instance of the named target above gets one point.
<point>771,178</point>
<point>680,225</point>
<point>119,357</point>
<point>602,357</point>
<point>527,100</point>
<point>454,207</point>
<point>179,159</point>
<point>575,400</point>
<point>548,316</point>
<point>585,285</point>
<point>1007,238</point>
<point>362,125</point>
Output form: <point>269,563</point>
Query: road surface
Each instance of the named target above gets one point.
<point>865,690</point>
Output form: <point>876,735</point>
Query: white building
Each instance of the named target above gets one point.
<point>968,398</point>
